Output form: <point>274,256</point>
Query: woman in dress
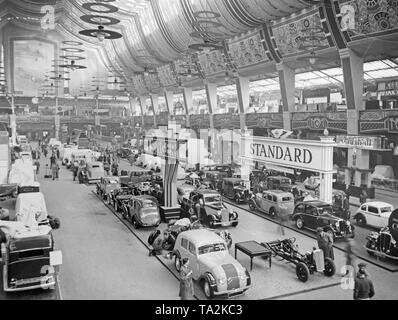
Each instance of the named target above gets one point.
<point>186,284</point>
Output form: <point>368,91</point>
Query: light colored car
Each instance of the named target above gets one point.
<point>106,185</point>
<point>374,213</point>
<point>273,202</point>
<point>217,272</point>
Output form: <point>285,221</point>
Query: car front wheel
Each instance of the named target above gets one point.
<point>207,289</point>
<point>330,267</point>
<point>302,271</point>
<point>361,221</point>
<point>299,223</point>
<point>177,263</point>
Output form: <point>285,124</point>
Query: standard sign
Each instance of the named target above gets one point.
<point>300,154</point>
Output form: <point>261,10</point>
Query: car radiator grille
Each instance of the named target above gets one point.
<point>232,276</point>
<point>384,242</point>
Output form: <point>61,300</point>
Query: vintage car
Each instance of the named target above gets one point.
<point>374,214</point>
<point>124,153</point>
<point>26,260</point>
<point>275,182</point>
<point>235,189</point>
<point>228,169</point>
<point>314,214</point>
<point>8,191</point>
<point>294,190</point>
<point>140,175</point>
<point>273,202</point>
<point>157,189</point>
<point>217,272</point>
<point>384,243</point>
<point>208,207</point>
<point>106,185</point>
<point>142,211</point>
<point>119,196</point>
<point>184,190</point>
<point>95,171</point>
<point>216,178</point>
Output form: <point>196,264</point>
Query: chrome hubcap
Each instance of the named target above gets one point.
<point>207,289</point>
<point>299,223</point>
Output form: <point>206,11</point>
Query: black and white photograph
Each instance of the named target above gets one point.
<point>217,151</point>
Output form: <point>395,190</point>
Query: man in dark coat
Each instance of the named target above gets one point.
<point>363,288</point>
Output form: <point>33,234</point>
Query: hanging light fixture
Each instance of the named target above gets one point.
<point>100,35</point>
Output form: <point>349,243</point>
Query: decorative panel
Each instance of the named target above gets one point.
<point>288,34</point>
<point>336,121</point>
<point>378,121</point>
<point>212,62</point>
<point>248,50</point>
<point>199,121</point>
<point>166,76</point>
<point>162,119</point>
<point>264,120</point>
<point>363,17</point>
<point>227,121</point>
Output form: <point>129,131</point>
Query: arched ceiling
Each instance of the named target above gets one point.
<point>155,32</point>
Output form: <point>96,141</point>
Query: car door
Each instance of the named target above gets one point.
<point>373,216</point>
<point>193,260</point>
<point>262,202</point>
<point>311,217</point>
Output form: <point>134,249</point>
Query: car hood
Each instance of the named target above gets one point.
<point>214,260</point>
<point>124,197</point>
<point>240,188</point>
<point>331,217</point>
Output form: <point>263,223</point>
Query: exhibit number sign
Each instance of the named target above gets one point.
<point>360,142</point>
<point>300,154</point>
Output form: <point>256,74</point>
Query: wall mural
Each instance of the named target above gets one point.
<point>248,50</point>
<point>264,120</point>
<point>361,17</point>
<point>288,35</point>
<point>32,59</point>
<point>212,62</point>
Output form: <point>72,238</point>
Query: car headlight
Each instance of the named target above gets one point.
<point>337,224</point>
<point>242,277</point>
<point>348,223</point>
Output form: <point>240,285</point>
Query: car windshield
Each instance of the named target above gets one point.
<point>212,248</point>
<point>213,198</point>
<point>238,184</point>
<point>325,210</point>
<point>149,204</point>
<point>286,199</point>
<point>385,209</point>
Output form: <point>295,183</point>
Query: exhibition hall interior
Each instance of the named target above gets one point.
<point>199,150</point>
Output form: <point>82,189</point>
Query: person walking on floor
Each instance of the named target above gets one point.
<point>363,288</point>
<point>55,170</point>
<point>45,152</point>
<point>37,164</point>
<point>186,283</point>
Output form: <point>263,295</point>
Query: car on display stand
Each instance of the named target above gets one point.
<point>305,264</point>
<point>374,214</point>
<point>9,190</point>
<point>184,190</point>
<point>319,214</point>
<point>312,183</point>
<point>142,188</point>
<point>207,206</point>
<point>294,190</point>
<point>384,243</point>
<point>216,271</point>
<point>273,203</point>
<point>106,185</point>
<point>119,196</point>
<point>142,211</point>
<point>235,189</point>
<point>275,182</point>
<point>341,205</point>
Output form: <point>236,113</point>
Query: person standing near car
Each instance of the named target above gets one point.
<point>363,197</point>
<point>186,283</point>
<point>325,243</point>
<point>363,288</point>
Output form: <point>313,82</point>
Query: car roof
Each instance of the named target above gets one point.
<point>144,197</point>
<point>277,177</point>
<point>278,192</point>
<point>378,204</point>
<point>202,237</point>
<point>317,203</point>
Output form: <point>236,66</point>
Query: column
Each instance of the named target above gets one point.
<point>187,93</point>
<point>155,106</point>
<point>212,104</point>
<point>142,101</point>
<point>352,66</point>
<point>169,95</point>
<point>287,87</point>
<point>57,124</point>
<point>242,86</point>
<point>326,177</point>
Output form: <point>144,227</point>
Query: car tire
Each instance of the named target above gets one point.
<point>236,199</point>
<point>272,212</point>
<point>235,224</point>
<point>115,206</point>
<point>177,263</point>
<point>330,267</point>
<point>109,200</point>
<point>360,220</point>
<point>299,223</point>
<point>134,223</point>
<point>207,289</point>
<point>252,206</point>
<point>302,272</point>
<point>15,194</point>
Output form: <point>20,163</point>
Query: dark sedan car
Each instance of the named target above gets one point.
<point>314,214</point>
<point>142,211</point>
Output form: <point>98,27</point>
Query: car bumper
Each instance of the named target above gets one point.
<point>225,223</point>
<point>45,282</point>
<point>381,254</point>
<point>93,180</point>
<point>234,292</point>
